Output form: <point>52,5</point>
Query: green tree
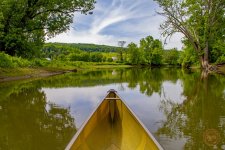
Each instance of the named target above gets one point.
<point>188,57</point>
<point>121,50</point>
<point>157,52</point>
<point>96,57</point>
<point>110,60</point>
<point>85,57</point>
<point>152,50</point>
<point>171,57</point>
<point>218,52</point>
<point>26,23</point>
<point>200,21</point>
<point>74,57</point>
<point>134,52</point>
<point>146,47</point>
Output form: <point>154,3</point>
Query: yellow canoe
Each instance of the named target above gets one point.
<point>113,126</point>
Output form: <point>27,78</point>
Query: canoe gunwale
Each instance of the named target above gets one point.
<point>132,113</point>
<point>83,125</point>
<point>142,125</point>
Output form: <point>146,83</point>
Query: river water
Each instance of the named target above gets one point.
<point>180,108</point>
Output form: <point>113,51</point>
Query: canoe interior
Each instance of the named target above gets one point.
<point>113,127</point>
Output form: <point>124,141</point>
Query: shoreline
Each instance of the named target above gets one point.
<point>41,73</point>
<point>13,74</point>
<point>28,73</point>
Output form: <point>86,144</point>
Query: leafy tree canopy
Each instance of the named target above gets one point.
<point>200,21</point>
<point>149,53</point>
<point>24,24</point>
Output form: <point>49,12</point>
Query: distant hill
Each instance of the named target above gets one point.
<point>86,47</point>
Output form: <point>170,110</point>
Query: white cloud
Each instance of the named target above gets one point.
<point>85,37</point>
<point>128,20</point>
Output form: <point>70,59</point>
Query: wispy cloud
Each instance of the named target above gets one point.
<point>117,12</point>
<point>115,20</point>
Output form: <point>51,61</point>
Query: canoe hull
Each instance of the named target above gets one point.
<point>113,126</point>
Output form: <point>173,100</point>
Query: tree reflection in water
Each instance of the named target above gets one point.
<point>27,121</point>
<point>201,116</point>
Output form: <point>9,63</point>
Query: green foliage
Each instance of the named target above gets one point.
<point>82,46</point>
<point>39,62</point>
<point>121,52</point>
<point>157,52</point>
<point>87,57</point>
<point>156,57</point>
<point>217,53</point>
<point>135,54</point>
<point>7,61</point>
<point>58,51</point>
<point>96,57</point>
<point>26,23</point>
<point>20,62</point>
<point>146,47</point>
<point>150,52</point>
<point>171,57</point>
<point>201,22</point>
<point>69,52</point>
<point>221,60</point>
<point>120,55</point>
<point>188,57</point>
<point>94,47</point>
<point>110,60</point>
<point>74,57</point>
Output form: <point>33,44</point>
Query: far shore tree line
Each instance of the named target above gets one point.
<point>25,26</point>
<point>149,53</point>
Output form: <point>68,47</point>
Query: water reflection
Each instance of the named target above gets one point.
<point>200,117</point>
<point>27,121</point>
<point>183,110</point>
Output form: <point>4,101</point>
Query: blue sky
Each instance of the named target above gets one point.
<point>115,20</point>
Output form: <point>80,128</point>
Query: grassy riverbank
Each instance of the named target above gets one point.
<point>11,72</point>
<point>13,68</point>
<point>8,74</point>
<point>55,68</point>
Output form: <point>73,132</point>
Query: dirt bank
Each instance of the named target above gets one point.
<point>11,75</point>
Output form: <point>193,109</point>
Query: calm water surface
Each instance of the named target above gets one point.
<point>181,109</point>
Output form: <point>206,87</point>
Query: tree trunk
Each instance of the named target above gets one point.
<point>205,58</point>
<point>205,61</point>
